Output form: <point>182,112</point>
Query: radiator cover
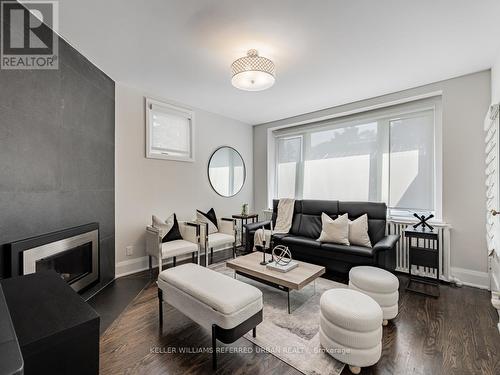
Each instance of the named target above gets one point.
<point>402,258</point>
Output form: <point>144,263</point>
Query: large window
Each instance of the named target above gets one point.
<point>386,155</point>
<point>169,132</point>
<point>289,158</point>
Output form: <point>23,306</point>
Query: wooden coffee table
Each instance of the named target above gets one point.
<point>296,279</point>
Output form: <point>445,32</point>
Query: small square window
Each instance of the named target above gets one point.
<point>169,132</point>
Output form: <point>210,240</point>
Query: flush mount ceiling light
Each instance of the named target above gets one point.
<point>252,72</point>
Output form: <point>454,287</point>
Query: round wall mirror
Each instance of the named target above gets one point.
<point>226,171</point>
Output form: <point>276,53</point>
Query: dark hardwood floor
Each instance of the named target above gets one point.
<point>454,334</point>
<point>115,297</point>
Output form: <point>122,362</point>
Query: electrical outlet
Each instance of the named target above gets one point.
<point>129,250</point>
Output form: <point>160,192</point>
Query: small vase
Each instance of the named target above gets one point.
<point>244,209</point>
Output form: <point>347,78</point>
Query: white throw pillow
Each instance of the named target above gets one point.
<point>358,231</point>
<point>163,226</point>
<point>200,217</point>
<point>335,231</point>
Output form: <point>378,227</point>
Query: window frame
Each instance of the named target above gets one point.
<point>299,168</point>
<point>401,109</point>
<point>172,109</point>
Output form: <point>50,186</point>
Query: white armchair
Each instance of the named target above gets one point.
<point>190,243</point>
<point>225,236</point>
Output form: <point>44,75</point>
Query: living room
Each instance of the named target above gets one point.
<point>232,187</point>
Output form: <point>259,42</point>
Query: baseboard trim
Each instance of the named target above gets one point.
<point>131,266</point>
<point>472,278</point>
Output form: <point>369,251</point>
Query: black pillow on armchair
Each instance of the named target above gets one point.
<point>174,233</point>
<point>209,217</point>
<point>169,230</point>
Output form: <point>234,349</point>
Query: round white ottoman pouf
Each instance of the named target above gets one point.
<point>379,284</point>
<point>351,327</point>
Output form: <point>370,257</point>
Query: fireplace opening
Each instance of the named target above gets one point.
<point>72,264</point>
<point>72,252</point>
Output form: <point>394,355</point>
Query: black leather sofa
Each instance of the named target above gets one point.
<point>306,228</point>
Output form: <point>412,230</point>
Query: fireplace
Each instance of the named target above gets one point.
<point>73,264</point>
<point>73,253</point>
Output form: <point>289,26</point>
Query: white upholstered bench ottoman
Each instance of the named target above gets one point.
<point>350,328</point>
<point>379,284</point>
<point>230,308</point>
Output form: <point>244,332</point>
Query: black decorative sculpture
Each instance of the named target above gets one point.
<point>423,221</point>
<point>264,262</point>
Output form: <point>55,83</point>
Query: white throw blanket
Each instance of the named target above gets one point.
<point>283,223</point>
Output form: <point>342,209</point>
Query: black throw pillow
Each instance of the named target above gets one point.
<point>210,215</point>
<point>174,233</point>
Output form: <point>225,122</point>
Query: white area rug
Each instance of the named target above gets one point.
<point>293,338</point>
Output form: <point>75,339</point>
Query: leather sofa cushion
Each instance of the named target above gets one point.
<point>310,226</point>
<point>300,241</point>
<point>376,230</point>
<point>310,223</point>
<point>297,218</point>
<point>279,236</point>
<point>374,210</point>
<point>352,249</point>
<point>317,207</point>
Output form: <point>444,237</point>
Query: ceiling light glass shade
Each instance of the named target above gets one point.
<point>252,72</point>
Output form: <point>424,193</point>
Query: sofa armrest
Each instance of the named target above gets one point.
<point>227,226</point>
<point>258,225</point>
<point>190,231</point>
<point>386,243</point>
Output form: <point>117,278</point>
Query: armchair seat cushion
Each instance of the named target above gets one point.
<point>177,247</point>
<point>219,239</point>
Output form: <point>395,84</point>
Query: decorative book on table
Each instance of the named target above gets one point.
<point>282,267</point>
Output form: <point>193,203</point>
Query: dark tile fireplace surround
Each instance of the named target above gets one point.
<point>57,147</point>
<point>73,253</point>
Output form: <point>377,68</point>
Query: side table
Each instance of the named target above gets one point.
<point>423,250</point>
<point>244,220</point>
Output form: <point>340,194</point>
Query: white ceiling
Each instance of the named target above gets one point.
<point>326,52</point>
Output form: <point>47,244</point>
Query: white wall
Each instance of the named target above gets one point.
<point>465,101</point>
<point>147,186</point>
<point>495,81</point>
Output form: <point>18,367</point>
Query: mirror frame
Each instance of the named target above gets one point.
<point>244,171</point>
